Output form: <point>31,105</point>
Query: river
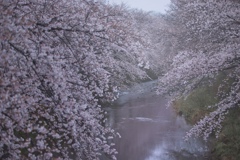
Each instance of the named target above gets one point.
<point>149,130</point>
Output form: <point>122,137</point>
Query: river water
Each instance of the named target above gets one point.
<point>149,130</point>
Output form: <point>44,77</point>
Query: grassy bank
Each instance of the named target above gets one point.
<point>195,106</point>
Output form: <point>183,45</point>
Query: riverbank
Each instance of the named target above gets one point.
<point>195,107</point>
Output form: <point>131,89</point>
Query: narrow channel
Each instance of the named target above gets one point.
<point>149,130</point>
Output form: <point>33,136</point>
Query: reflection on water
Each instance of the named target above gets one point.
<point>149,130</point>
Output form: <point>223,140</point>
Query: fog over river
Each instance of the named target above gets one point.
<point>149,130</point>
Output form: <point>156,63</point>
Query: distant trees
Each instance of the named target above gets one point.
<point>208,41</point>
<point>58,59</point>
<point>153,27</point>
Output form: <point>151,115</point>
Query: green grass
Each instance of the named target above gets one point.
<point>195,106</point>
<point>228,144</point>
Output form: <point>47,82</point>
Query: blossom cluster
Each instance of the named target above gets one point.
<point>57,61</point>
<point>209,38</point>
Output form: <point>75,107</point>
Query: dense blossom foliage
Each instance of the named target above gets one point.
<point>153,26</point>
<point>210,45</point>
<point>57,60</point>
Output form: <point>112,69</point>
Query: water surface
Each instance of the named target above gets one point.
<point>149,130</point>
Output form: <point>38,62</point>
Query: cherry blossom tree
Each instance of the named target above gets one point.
<point>210,45</point>
<point>154,27</point>
<point>58,59</point>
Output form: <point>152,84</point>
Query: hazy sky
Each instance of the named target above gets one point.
<point>147,5</point>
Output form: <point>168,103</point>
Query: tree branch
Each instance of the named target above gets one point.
<point>236,21</point>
